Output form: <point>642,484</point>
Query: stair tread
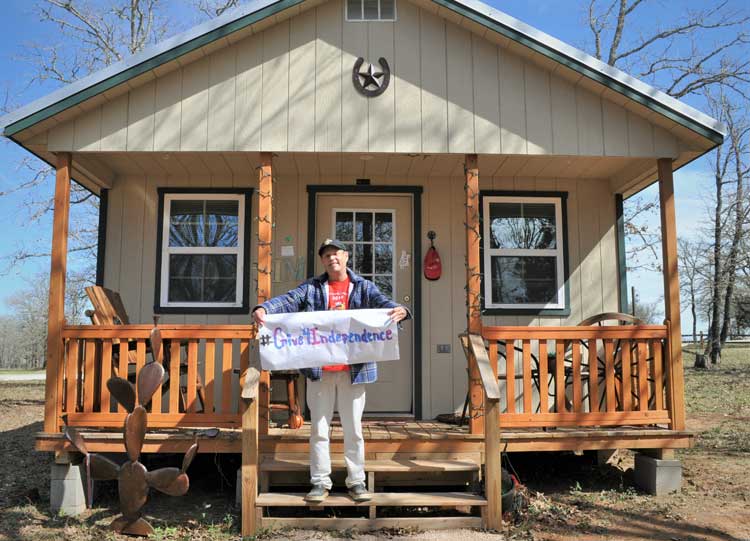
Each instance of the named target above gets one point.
<point>287,499</point>
<point>394,465</point>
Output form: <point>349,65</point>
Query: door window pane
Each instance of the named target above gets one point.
<point>383,259</point>
<point>344,228</point>
<point>363,263</point>
<point>524,280</point>
<point>383,227</point>
<point>363,227</point>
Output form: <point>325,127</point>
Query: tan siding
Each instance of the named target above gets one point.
<point>168,111</point>
<point>460,92</point>
<point>114,123</point>
<point>275,113</point>
<point>589,120</point>
<point>354,130</point>
<point>288,87</point>
<point>564,118</point>
<point>328,77</point>
<point>141,117</point>
<point>221,99</point>
<point>381,111</point>
<point>640,136</point>
<point>512,103</point>
<point>194,124</point>
<point>538,116</point>
<point>87,136</point>
<point>486,97</point>
<point>301,91</point>
<point>434,108</point>
<point>615,120</point>
<point>407,79</point>
<point>249,73</point>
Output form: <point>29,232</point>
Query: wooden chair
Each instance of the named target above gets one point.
<point>110,310</point>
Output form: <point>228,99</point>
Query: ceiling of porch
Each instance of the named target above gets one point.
<point>103,169</point>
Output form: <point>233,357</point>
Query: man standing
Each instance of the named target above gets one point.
<point>336,289</point>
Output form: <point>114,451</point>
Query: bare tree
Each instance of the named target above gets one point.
<point>692,260</point>
<point>215,8</point>
<point>693,51</point>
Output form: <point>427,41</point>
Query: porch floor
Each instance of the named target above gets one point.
<point>391,438</point>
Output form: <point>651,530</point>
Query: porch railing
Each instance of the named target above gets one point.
<point>204,366</point>
<point>581,376</point>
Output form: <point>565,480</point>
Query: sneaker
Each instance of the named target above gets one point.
<point>359,493</point>
<point>317,494</point>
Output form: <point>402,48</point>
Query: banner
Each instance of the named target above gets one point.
<point>312,339</point>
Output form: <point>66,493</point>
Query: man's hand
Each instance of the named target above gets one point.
<point>259,316</point>
<point>397,314</point>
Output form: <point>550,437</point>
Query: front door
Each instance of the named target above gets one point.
<point>378,232</point>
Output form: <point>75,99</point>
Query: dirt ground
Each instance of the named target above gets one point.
<point>569,497</point>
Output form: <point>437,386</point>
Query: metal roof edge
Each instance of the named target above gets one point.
<point>253,12</point>
<point>588,66</point>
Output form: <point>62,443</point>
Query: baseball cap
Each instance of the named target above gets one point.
<point>331,242</point>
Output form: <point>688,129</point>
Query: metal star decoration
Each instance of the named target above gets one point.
<point>371,82</point>
<point>370,77</point>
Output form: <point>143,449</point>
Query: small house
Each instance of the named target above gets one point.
<point>224,156</point>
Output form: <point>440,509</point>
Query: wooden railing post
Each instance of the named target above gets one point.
<point>249,472</point>
<point>493,516</point>
<point>56,317</point>
<point>265,238</point>
<point>473,284</point>
<point>671,291</point>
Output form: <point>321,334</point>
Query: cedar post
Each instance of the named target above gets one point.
<point>473,307</point>
<point>249,469</point>
<point>676,379</point>
<point>265,238</point>
<point>56,318</point>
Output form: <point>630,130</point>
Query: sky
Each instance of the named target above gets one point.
<point>563,19</point>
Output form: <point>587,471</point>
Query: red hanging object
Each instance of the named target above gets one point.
<point>433,268</point>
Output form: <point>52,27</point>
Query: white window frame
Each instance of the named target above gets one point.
<point>363,20</point>
<point>558,253</point>
<point>373,211</point>
<point>167,250</point>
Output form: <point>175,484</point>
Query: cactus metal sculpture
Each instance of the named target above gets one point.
<point>133,479</point>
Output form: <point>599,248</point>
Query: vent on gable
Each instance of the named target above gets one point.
<point>370,10</point>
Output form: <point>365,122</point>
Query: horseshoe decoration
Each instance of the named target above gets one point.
<point>371,82</point>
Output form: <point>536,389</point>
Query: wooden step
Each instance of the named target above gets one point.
<point>395,465</point>
<point>379,499</point>
<point>364,524</point>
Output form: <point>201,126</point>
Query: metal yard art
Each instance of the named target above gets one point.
<point>133,479</point>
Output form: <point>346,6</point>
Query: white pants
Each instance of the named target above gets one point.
<point>321,395</point>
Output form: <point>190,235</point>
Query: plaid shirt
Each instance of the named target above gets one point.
<point>312,296</point>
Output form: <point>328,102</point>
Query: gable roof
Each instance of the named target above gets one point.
<point>258,10</point>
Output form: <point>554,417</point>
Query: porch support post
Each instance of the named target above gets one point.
<point>675,377</point>
<point>473,306</point>
<point>56,318</point>
<point>265,239</point>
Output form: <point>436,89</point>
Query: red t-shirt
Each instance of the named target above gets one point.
<point>338,299</point>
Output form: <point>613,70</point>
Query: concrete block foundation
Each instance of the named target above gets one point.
<point>657,476</point>
<point>67,492</point>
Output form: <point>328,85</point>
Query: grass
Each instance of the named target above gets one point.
<point>723,390</point>
<point>9,371</point>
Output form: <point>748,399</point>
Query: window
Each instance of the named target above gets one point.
<point>524,252</point>
<point>371,242</point>
<point>370,10</point>
<point>203,239</point>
